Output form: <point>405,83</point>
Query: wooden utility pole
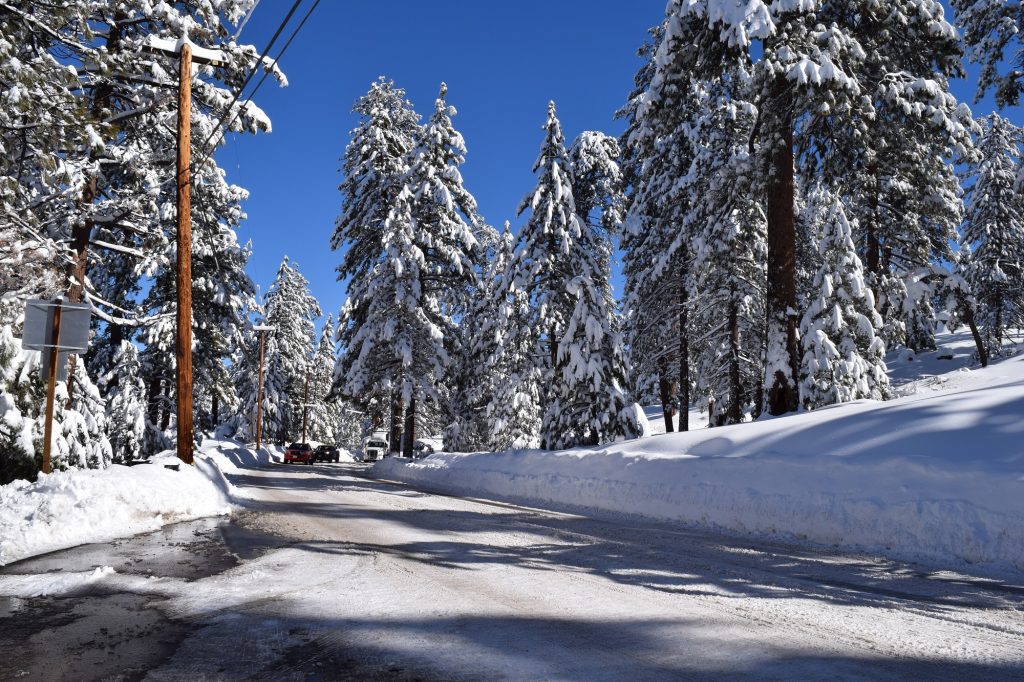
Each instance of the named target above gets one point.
<point>183,354</point>
<point>51,385</point>
<point>262,329</point>
<point>184,182</point>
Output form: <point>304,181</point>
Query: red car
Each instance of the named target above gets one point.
<point>298,452</point>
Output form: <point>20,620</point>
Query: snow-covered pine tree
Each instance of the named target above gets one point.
<point>993,233</point>
<point>511,378</point>
<point>728,255</point>
<point>79,428</point>
<point>39,119</point>
<point>17,442</point>
<point>843,356</point>
<point>559,266</point>
<point>277,422</point>
<point>374,164</point>
<point>472,377</point>
<point>221,293</point>
<point>446,225</point>
<point>125,395</point>
<point>803,67</point>
<point>649,319</point>
<point>991,28</point>
<point>291,309</point>
<point>324,416</point>
<point>895,163</point>
<point>398,321</point>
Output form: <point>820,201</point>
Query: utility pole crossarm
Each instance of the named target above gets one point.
<point>200,55</point>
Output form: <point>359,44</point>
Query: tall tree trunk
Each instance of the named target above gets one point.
<point>684,354</point>
<point>396,421</point>
<point>165,413</point>
<point>783,359</point>
<point>733,411</point>
<point>873,260</point>
<point>665,388</point>
<point>81,232</point>
<point>214,409</point>
<point>153,400</point>
<point>967,313</point>
<point>410,426</point>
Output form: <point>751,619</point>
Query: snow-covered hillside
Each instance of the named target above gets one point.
<point>936,474</point>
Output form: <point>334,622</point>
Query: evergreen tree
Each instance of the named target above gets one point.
<point>126,404</point>
<point>399,326</point>
<point>472,377</point>
<point>375,162</point>
<point>844,358</point>
<point>729,253</point>
<point>291,309</point>
<point>993,234</point>
<point>17,442</point>
<point>559,266</point>
<point>659,226</point>
<point>990,29</point>
<point>511,380</point>
<point>324,416</point>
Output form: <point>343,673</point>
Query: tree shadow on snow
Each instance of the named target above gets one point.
<point>656,556</point>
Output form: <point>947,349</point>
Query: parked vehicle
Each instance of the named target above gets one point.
<point>421,448</point>
<point>298,452</point>
<point>375,447</point>
<point>326,453</point>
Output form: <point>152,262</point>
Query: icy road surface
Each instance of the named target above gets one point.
<point>365,579</point>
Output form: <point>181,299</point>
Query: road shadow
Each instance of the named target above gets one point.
<point>651,555</point>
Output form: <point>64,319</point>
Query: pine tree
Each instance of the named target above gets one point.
<point>895,162</point>
<point>659,229</point>
<point>511,381</point>
<point>291,309</point>
<point>398,321</point>
<point>729,254</point>
<point>993,234</point>
<point>375,163</point>
<point>844,358</point>
<point>991,28</point>
<point>125,404</point>
<point>559,266</point>
<point>473,373</point>
<point>324,416</point>
<point>17,446</point>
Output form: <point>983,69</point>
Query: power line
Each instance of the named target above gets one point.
<point>205,151</point>
<point>252,71</point>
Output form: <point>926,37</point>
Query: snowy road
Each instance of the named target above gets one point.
<point>367,579</point>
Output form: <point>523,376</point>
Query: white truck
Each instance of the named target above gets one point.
<point>375,446</point>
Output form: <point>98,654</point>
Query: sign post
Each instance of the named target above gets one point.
<point>54,328</point>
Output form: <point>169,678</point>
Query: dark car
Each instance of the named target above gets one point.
<point>298,452</point>
<point>326,453</point>
<point>421,449</point>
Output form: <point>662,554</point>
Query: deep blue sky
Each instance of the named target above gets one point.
<point>502,61</point>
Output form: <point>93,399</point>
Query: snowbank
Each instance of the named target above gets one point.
<point>68,508</point>
<point>938,474</point>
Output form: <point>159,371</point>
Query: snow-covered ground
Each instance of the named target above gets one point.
<point>68,508</point>
<point>937,474</point>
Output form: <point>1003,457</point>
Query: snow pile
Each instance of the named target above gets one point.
<point>937,474</point>
<point>68,508</point>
